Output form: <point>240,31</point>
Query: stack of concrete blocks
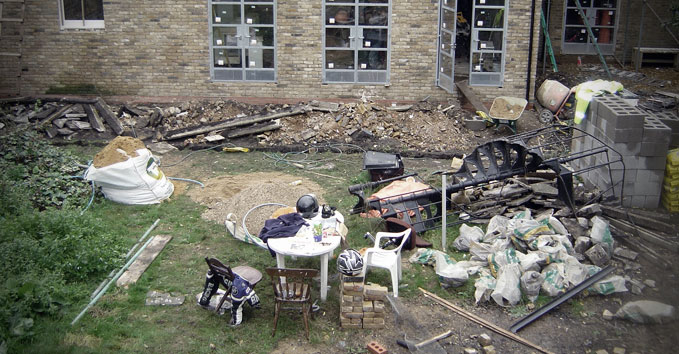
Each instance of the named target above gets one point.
<point>670,194</point>
<point>362,306</point>
<point>373,305</point>
<point>642,142</point>
<point>351,307</point>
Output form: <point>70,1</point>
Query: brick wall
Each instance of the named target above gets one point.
<point>161,48</point>
<point>652,33</point>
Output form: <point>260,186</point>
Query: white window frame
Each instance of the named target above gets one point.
<point>77,24</point>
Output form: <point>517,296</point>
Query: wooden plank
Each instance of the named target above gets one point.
<point>641,220</point>
<point>471,97</point>
<point>646,235</point>
<point>657,50</point>
<point>254,129</point>
<point>109,116</point>
<point>54,116</point>
<point>95,119</point>
<point>137,268</point>
<point>231,123</point>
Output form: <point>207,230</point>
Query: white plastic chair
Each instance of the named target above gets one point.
<point>387,259</point>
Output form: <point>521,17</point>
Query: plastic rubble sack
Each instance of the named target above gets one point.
<point>531,281</point>
<point>530,261</point>
<point>467,236</point>
<point>508,286</point>
<point>558,247</point>
<point>238,233</point>
<point>610,285</point>
<point>472,267</point>
<point>500,259</point>
<point>485,285</point>
<point>555,279</point>
<point>497,227</point>
<point>575,272</point>
<point>647,311</point>
<point>556,225</point>
<point>137,180</point>
<point>450,274</point>
<point>601,233</point>
<point>481,250</point>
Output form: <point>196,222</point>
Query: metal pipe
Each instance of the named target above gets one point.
<point>103,291</point>
<point>142,238</point>
<point>624,48</point>
<point>637,64</point>
<point>530,49</point>
<point>444,201</point>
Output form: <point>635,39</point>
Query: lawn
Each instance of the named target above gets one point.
<point>120,321</point>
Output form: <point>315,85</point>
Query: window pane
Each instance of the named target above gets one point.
<point>573,17</point>
<point>228,58</point>
<point>259,14</point>
<point>339,15</point>
<point>372,59</point>
<point>487,62</point>
<point>489,18</point>
<point>227,14</point>
<point>373,15</point>
<point>374,1</point>
<point>259,58</point>
<point>605,3</point>
<point>337,37</point>
<point>605,18</point>
<point>224,36</point>
<point>375,37</point>
<point>583,3</point>
<point>73,10</point>
<point>446,42</point>
<point>490,2</point>
<point>489,40</point>
<point>448,21</point>
<point>339,59</point>
<point>446,65</point>
<point>575,35</point>
<point>341,1</point>
<point>261,36</point>
<point>94,9</point>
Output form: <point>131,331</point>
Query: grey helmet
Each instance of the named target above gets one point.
<point>307,205</point>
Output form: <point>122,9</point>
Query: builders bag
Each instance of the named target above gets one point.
<point>137,180</point>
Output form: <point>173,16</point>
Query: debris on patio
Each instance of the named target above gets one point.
<point>157,298</point>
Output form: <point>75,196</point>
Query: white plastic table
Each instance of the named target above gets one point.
<point>306,247</point>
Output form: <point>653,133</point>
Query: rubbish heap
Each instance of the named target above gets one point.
<point>670,196</point>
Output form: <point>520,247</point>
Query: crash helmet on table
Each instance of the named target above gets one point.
<point>307,205</point>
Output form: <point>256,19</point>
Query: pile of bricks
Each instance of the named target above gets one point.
<point>670,196</point>
<point>641,139</point>
<point>362,305</point>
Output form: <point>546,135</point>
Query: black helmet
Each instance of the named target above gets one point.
<point>307,205</point>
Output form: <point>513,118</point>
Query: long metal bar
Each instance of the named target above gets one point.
<point>591,38</point>
<point>561,299</point>
<point>103,291</point>
<point>444,201</point>
<point>638,55</point>
<point>624,49</point>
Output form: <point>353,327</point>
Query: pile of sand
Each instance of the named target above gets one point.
<point>110,154</point>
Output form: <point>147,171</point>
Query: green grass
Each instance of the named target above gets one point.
<point>120,322</point>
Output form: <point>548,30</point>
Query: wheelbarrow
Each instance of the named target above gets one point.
<point>506,110</point>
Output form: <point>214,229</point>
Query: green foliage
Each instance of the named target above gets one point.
<point>45,173</point>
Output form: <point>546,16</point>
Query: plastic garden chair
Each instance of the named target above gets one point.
<point>387,259</point>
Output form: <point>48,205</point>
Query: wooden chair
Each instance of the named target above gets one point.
<point>292,286</point>
<point>252,275</point>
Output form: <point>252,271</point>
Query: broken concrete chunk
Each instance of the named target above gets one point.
<point>650,283</point>
<point>489,350</point>
<point>161,147</point>
<point>589,211</point>
<point>484,340</point>
<point>470,351</point>
<point>78,125</point>
<point>156,298</point>
<point>625,253</point>
<point>597,255</point>
<point>646,311</point>
<point>607,315</point>
<point>544,189</point>
<point>59,123</point>
<point>65,131</point>
<point>582,244</point>
<point>637,286</point>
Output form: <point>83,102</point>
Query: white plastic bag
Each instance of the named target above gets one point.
<point>531,281</point>
<point>601,233</point>
<point>646,311</point>
<point>507,289</point>
<point>138,180</point>
<point>467,235</point>
<point>497,227</point>
<point>555,279</point>
<point>485,285</point>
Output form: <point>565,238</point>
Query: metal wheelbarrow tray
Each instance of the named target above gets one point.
<point>506,111</point>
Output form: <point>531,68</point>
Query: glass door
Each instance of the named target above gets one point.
<point>446,48</point>
<point>601,15</point>
<point>487,52</point>
<point>243,40</point>
<point>356,41</point>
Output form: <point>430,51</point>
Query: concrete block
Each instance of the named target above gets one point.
<point>669,119</point>
<point>652,202</point>
<point>653,148</point>
<point>652,162</point>
<point>623,135</point>
<point>656,131</point>
<point>627,149</point>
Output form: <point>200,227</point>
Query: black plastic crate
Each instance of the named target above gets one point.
<point>381,165</point>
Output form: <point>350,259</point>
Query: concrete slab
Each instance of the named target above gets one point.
<point>144,260</point>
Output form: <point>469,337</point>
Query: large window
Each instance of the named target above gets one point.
<point>243,40</point>
<point>81,13</point>
<point>356,41</point>
<point>600,15</point>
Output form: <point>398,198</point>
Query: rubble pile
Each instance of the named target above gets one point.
<point>424,126</point>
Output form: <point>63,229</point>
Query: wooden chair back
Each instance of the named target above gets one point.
<point>292,285</point>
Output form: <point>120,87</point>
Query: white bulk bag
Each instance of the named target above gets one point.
<point>138,180</point>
